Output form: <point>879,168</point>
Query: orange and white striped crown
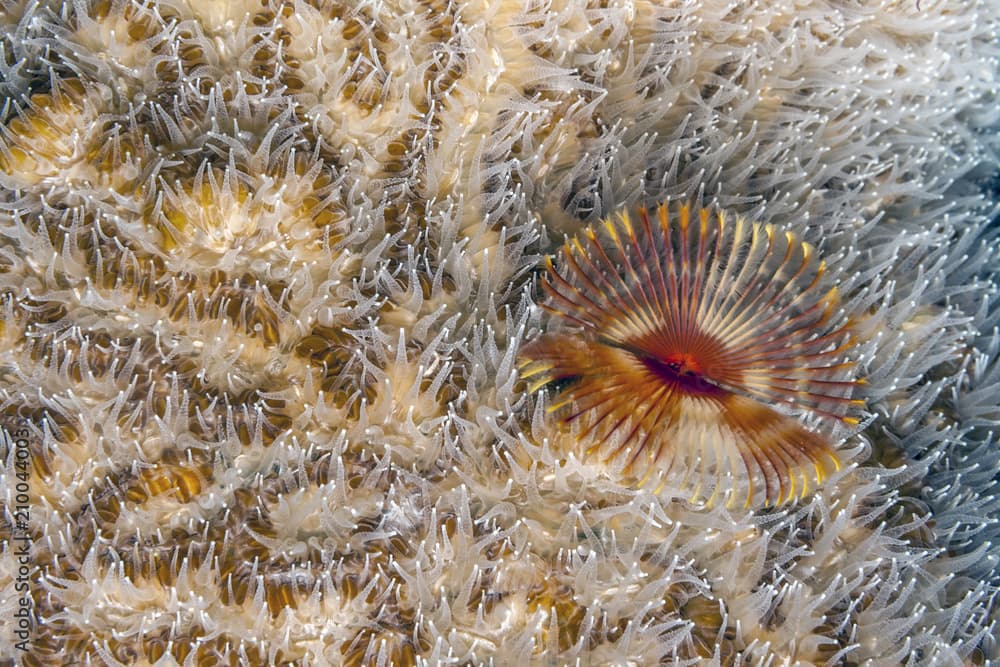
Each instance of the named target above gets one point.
<point>688,347</point>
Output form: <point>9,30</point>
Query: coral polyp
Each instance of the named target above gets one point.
<point>692,341</point>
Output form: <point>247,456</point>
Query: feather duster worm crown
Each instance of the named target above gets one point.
<point>689,340</point>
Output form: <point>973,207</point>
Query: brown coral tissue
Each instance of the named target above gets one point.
<point>688,347</point>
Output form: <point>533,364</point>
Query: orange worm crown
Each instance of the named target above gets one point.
<point>680,334</point>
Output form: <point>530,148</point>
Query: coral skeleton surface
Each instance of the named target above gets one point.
<point>271,272</point>
<point>687,325</point>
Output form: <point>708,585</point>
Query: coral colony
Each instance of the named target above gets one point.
<point>488,333</point>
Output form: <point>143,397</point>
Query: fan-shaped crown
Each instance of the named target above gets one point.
<point>682,335</point>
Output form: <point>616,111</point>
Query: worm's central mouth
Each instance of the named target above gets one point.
<point>683,372</point>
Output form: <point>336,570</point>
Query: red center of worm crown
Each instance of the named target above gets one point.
<point>682,371</point>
